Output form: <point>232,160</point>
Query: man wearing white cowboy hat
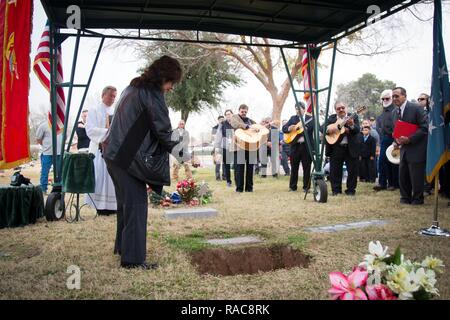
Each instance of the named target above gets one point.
<point>388,172</point>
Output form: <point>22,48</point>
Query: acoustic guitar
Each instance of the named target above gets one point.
<point>332,138</point>
<point>289,137</point>
<point>292,135</point>
<point>252,138</point>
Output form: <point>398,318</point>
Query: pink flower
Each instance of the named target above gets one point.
<point>380,292</point>
<point>348,287</point>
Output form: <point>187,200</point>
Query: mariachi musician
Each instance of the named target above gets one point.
<point>244,160</point>
<point>346,149</point>
<point>299,148</point>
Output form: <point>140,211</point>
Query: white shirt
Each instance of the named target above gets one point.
<point>402,108</point>
<point>344,139</point>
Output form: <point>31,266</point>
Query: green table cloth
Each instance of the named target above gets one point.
<point>78,173</point>
<point>20,206</point>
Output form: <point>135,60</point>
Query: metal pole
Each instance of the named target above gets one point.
<point>315,115</point>
<point>308,142</point>
<point>436,200</point>
<point>435,230</point>
<point>69,98</point>
<point>87,86</point>
<point>53,79</point>
<point>333,60</point>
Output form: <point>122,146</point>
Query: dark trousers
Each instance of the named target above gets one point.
<point>388,175</point>
<point>132,210</point>
<point>340,155</point>
<point>366,170</point>
<point>411,181</point>
<point>299,153</point>
<point>226,167</point>
<point>284,160</point>
<point>244,168</point>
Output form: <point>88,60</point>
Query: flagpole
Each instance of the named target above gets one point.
<point>435,230</point>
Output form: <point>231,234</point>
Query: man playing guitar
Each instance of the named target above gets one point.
<point>244,160</point>
<point>299,148</point>
<point>346,149</point>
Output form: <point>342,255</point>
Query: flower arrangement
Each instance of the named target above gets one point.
<point>187,189</point>
<point>188,192</point>
<point>384,277</point>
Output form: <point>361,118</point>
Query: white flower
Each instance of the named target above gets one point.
<point>402,282</point>
<point>377,250</point>
<point>433,263</point>
<point>427,280</point>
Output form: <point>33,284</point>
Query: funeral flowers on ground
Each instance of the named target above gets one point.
<point>384,277</point>
<point>188,192</point>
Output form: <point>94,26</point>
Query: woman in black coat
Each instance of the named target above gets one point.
<point>136,152</point>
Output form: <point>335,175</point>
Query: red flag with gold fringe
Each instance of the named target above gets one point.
<point>15,43</point>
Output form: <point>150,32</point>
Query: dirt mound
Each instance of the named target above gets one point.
<point>247,260</point>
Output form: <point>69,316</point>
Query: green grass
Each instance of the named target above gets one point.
<point>39,255</point>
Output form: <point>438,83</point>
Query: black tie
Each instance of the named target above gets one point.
<point>399,113</point>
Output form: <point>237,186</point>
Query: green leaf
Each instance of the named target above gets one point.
<point>395,259</point>
<point>397,256</point>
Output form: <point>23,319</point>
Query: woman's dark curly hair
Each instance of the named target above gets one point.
<point>163,70</point>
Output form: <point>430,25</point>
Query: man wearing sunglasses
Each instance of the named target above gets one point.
<point>346,149</point>
<point>413,148</point>
<point>388,172</point>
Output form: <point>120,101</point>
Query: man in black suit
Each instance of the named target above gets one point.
<point>346,149</point>
<point>299,149</point>
<point>412,148</point>
<point>388,176</point>
<point>243,160</point>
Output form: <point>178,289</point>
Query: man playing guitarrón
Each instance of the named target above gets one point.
<point>244,160</point>
<point>346,149</point>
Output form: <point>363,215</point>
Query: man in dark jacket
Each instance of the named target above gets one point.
<point>413,150</point>
<point>83,139</point>
<point>244,160</point>
<point>346,149</point>
<point>299,148</point>
<point>388,172</point>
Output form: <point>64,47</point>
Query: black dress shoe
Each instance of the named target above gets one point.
<point>391,189</point>
<point>335,193</point>
<point>292,190</point>
<point>417,203</point>
<point>379,188</point>
<point>404,201</point>
<point>144,266</point>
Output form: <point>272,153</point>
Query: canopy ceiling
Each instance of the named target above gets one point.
<point>300,21</point>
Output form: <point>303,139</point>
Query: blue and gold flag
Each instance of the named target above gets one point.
<point>438,151</point>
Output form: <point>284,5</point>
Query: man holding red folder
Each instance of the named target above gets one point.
<point>410,134</point>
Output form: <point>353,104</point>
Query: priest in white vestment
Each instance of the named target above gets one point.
<point>97,124</point>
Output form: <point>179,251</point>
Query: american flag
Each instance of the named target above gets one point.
<point>306,84</point>
<point>41,67</point>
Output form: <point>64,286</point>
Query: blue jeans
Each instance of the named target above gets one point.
<point>46,164</point>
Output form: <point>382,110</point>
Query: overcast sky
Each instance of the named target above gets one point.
<point>410,68</point>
